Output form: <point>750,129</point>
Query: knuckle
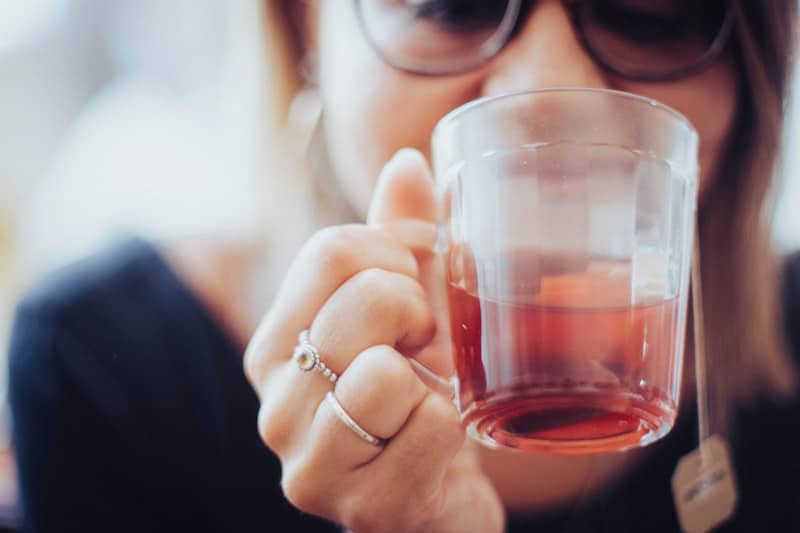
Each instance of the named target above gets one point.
<point>411,289</point>
<point>335,246</point>
<point>388,369</point>
<point>440,410</point>
<point>360,514</point>
<point>359,520</point>
<point>418,321</point>
<point>373,283</point>
<point>273,433</point>
<point>388,294</point>
<point>252,362</point>
<point>427,507</point>
<point>300,489</point>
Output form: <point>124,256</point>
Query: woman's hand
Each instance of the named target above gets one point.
<point>368,295</point>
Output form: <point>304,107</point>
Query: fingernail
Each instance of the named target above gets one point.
<point>407,157</point>
<point>404,159</point>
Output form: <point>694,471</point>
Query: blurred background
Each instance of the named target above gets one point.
<point>119,117</point>
<point>123,116</point>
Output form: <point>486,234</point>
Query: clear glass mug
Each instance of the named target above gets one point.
<point>566,231</point>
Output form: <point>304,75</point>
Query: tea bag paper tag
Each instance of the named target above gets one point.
<point>704,487</point>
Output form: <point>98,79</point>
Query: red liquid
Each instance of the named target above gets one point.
<point>570,367</point>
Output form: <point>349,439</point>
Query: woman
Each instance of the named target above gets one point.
<point>132,412</point>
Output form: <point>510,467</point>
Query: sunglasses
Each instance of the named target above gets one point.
<point>645,40</point>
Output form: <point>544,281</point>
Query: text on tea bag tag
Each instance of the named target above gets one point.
<point>703,485</point>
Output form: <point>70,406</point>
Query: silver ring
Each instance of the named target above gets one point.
<point>352,424</point>
<point>307,357</point>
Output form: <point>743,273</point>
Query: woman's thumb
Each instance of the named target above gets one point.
<point>404,190</point>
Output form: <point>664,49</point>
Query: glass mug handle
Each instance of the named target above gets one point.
<point>445,386</point>
<point>408,231</point>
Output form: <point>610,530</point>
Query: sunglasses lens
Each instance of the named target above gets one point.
<point>649,39</point>
<point>437,36</point>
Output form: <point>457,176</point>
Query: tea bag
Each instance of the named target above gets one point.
<point>704,484</point>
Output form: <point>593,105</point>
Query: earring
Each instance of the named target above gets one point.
<point>305,113</point>
<point>305,109</point>
<point>305,123</point>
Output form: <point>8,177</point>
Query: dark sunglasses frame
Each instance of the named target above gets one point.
<point>507,30</point>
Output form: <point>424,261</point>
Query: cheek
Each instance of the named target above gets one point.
<point>709,101</point>
<point>372,110</point>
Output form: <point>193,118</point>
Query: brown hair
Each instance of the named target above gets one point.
<point>284,56</point>
<point>744,331</point>
<point>747,357</point>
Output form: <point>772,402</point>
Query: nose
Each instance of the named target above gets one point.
<point>546,52</point>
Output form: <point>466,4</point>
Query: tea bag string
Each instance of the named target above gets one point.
<point>700,369</point>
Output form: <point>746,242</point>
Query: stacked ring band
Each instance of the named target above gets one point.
<point>307,358</point>
<point>349,422</point>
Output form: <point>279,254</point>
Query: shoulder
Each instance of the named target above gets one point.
<point>84,317</point>
<point>791,274</point>
<point>790,293</point>
<point>78,352</point>
<point>123,322</point>
<point>92,285</point>
<point>119,342</point>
